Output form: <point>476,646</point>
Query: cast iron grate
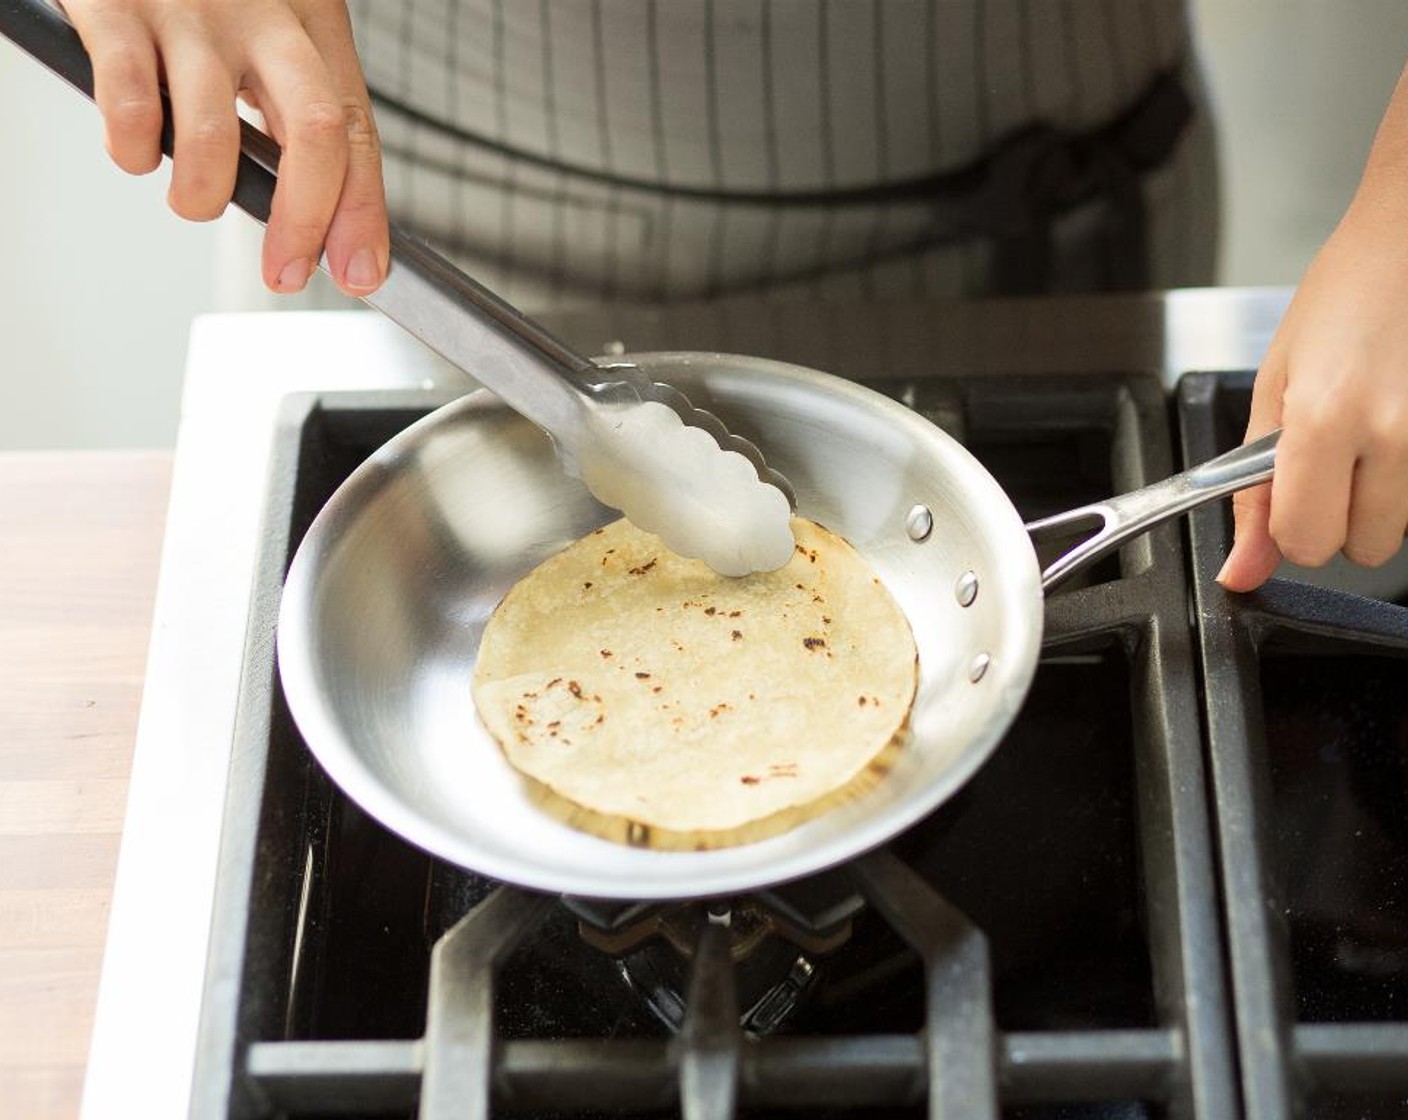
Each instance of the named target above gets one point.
<point>325,996</point>
<point>1308,741</point>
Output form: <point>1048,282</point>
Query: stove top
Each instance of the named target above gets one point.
<point>1056,914</point>
<point>1177,888</point>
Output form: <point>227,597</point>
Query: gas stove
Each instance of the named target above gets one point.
<point>1179,887</point>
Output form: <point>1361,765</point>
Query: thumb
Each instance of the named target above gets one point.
<point>1254,554</point>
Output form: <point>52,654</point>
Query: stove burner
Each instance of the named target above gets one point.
<point>655,945</point>
<point>750,924</point>
<point>814,914</point>
<point>772,984</point>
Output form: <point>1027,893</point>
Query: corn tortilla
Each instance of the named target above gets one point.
<point>653,701</point>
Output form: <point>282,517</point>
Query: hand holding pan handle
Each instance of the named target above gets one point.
<point>1125,517</point>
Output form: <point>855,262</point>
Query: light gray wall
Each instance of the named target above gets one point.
<point>1299,87</point>
<point>98,282</point>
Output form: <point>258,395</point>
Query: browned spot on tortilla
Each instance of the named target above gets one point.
<point>711,611</point>
<point>575,688</point>
<point>814,643</point>
<point>642,676</point>
<point>605,653</point>
<point>641,569</point>
<point>737,635</point>
<point>750,780</point>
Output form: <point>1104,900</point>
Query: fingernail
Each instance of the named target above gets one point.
<point>1222,572</point>
<point>363,272</point>
<point>295,275</point>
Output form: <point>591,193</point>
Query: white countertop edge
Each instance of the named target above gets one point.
<point>239,368</point>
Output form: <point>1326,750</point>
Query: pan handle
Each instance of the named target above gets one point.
<point>1120,519</point>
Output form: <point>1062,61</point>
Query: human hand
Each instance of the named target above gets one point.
<point>295,61</point>
<point>1336,379</point>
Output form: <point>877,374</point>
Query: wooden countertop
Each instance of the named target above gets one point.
<point>80,538</point>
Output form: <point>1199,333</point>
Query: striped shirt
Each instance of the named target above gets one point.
<point>665,149</point>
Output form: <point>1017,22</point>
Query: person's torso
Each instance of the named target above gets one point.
<point>587,115</point>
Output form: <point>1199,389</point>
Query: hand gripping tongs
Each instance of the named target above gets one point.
<point>639,445</point>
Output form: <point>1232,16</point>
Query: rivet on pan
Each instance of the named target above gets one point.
<point>919,523</point>
<point>615,347</point>
<point>979,667</point>
<point>966,589</point>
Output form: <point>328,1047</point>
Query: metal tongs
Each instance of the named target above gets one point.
<point>639,445</point>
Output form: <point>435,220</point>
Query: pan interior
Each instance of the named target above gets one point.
<point>391,588</point>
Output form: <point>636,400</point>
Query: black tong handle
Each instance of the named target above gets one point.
<point>42,32</point>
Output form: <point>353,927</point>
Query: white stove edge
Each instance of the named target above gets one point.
<point>239,368</point>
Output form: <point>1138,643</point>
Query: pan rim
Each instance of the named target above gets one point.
<point>708,872</point>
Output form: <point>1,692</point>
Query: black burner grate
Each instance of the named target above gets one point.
<point>1308,736</point>
<point>1053,943</point>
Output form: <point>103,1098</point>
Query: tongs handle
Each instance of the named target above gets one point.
<point>535,373</point>
<point>41,31</point>
<point>1127,516</point>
